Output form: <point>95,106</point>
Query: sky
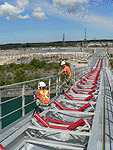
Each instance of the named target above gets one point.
<point>35,21</point>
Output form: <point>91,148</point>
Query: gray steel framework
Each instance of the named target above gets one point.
<point>97,136</point>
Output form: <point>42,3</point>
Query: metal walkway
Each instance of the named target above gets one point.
<point>80,119</point>
<point>107,115</point>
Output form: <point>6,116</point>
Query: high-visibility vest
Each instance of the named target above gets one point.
<point>43,96</point>
<point>67,70</point>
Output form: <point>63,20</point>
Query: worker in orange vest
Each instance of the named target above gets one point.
<point>68,73</point>
<point>42,97</point>
<point>66,69</point>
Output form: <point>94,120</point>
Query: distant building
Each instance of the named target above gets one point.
<point>109,44</point>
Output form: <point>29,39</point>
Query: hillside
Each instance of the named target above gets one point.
<point>15,73</point>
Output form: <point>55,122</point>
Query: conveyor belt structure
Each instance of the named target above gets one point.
<point>80,119</point>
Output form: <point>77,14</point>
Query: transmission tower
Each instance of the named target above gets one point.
<point>63,39</point>
<point>85,35</point>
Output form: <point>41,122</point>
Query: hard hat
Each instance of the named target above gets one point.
<point>41,84</point>
<point>63,63</point>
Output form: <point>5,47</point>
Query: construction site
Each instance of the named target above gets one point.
<point>81,118</point>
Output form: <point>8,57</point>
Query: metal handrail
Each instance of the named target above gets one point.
<point>16,110</point>
<point>1,87</point>
<point>10,99</point>
<point>24,94</point>
<point>10,113</point>
<point>57,90</point>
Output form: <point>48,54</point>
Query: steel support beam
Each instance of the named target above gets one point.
<point>55,144</point>
<point>93,140</point>
<point>60,131</point>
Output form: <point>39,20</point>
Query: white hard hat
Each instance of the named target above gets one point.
<point>63,63</point>
<point>41,84</point>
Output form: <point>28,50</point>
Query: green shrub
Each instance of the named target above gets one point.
<point>19,71</point>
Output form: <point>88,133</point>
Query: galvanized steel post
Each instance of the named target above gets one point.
<point>103,116</point>
<point>25,145</point>
<point>49,86</point>
<point>23,100</point>
<point>57,86</point>
<point>74,75</point>
<point>38,84</point>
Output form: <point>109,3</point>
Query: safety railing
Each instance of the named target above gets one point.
<point>20,91</point>
<point>80,72</point>
<point>22,94</point>
<point>107,134</point>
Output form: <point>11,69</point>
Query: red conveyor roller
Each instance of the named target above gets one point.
<point>75,91</point>
<point>92,91</point>
<point>59,105</point>
<point>58,127</point>
<point>86,99</point>
<point>84,107</point>
<point>40,119</point>
<point>2,148</point>
<point>63,122</point>
<point>68,96</point>
<point>76,124</point>
<point>56,121</point>
<point>69,109</point>
<point>89,97</point>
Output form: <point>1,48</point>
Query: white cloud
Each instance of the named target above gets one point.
<point>38,14</point>
<point>99,21</point>
<point>68,3</point>
<point>11,12</point>
<point>71,5</point>
<point>23,17</point>
<point>7,9</point>
<point>22,3</point>
<point>17,17</point>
